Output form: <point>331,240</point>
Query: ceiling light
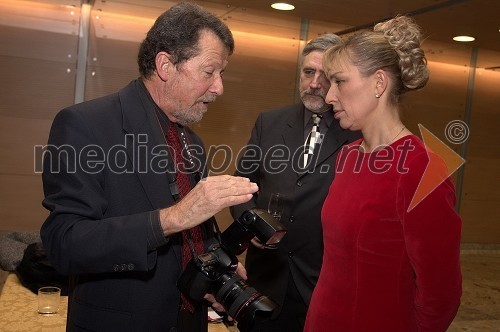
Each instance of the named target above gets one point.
<point>464,38</point>
<point>283,6</point>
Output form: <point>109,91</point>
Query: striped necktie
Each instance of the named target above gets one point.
<point>312,139</point>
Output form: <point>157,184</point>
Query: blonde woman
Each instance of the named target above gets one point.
<point>386,266</point>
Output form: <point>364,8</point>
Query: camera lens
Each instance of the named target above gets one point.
<point>244,303</point>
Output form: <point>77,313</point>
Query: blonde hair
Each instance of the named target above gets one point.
<point>393,46</point>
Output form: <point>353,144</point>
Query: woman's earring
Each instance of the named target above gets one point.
<point>377,95</point>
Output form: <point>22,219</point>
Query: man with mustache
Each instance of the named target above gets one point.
<point>274,159</point>
<point>130,212</point>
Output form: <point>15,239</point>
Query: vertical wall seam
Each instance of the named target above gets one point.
<point>467,119</point>
<point>304,31</point>
<point>82,52</point>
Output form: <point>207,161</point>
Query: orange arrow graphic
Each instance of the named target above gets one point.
<point>443,162</point>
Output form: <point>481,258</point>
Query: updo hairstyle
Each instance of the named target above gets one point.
<point>393,46</point>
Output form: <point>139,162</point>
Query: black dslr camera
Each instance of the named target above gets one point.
<point>214,271</point>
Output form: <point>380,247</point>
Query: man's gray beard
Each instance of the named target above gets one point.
<point>316,107</point>
<point>187,117</point>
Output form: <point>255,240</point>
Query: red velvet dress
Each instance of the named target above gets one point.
<point>386,269</point>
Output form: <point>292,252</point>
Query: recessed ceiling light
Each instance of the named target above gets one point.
<point>283,6</point>
<point>464,38</point>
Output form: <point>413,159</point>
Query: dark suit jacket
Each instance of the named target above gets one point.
<point>100,200</point>
<point>301,250</point>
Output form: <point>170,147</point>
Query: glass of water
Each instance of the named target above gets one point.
<point>276,205</point>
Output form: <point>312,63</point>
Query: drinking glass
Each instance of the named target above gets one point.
<point>49,299</point>
<point>276,205</point>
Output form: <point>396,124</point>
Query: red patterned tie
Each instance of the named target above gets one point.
<point>184,187</point>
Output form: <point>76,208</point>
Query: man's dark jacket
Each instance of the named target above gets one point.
<point>301,250</point>
<point>101,200</point>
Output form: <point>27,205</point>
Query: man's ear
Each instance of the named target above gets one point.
<point>163,65</point>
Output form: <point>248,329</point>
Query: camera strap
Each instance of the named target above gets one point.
<point>216,230</point>
<point>171,169</point>
<point>176,143</point>
<point>156,116</point>
<point>195,177</point>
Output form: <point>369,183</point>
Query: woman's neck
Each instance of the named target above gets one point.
<point>382,132</point>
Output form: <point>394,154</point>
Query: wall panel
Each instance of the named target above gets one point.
<point>481,187</point>
<point>37,62</point>
<point>21,202</point>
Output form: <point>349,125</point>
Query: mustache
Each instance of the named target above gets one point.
<point>314,92</point>
<point>209,99</point>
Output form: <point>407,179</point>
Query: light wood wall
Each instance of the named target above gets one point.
<point>480,204</point>
<point>35,84</point>
<point>38,80</point>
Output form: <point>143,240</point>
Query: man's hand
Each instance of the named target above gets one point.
<point>209,196</point>
<point>214,304</point>
<point>241,271</point>
<point>218,307</point>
